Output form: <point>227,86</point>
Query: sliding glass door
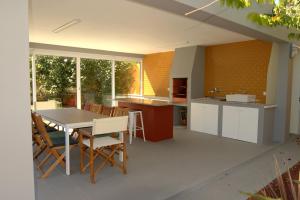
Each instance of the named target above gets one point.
<point>127,78</point>
<point>56,80</point>
<point>96,79</point>
<point>60,80</point>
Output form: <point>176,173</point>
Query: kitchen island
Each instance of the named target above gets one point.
<point>249,122</point>
<point>158,117</point>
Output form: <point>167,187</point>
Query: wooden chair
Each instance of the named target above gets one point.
<point>53,145</point>
<point>119,111</point>
<point>108,111</point>
<point>99,139</point>
<point>95,108</point>
<point>87,106</point>
<point>38,145</point>
<point>45,105</point>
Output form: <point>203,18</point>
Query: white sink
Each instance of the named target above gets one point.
<point>241,98</point>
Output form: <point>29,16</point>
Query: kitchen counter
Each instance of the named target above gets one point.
<point>148,102</point>
<point>157,117</point>
<point>208,100</point>
<point>249,122</point>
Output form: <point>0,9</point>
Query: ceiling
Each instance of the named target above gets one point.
<point>119,25</point>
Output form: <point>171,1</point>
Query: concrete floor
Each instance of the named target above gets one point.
<point>191,166</point>
<point>250,176</point>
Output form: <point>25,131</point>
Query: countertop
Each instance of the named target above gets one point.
<point>145,102</point>
<point>208,100</point>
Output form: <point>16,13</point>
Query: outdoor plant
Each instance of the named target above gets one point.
<point>124,78</point>
<point>285,13</point>
<point>284,187</point>
<point>56,77</point>
<point>96,78</point>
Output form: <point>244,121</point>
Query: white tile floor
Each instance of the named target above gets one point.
<point>190,166</point>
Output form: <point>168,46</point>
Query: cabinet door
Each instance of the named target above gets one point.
<point>230,124</point>
<point>197,120</point>
<point>248,125</point>
<point>204,118</point>
<point>211,119</point>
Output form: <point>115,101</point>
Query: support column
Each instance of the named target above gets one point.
<point>17,177</point>
<point>78,83</point>
<point>33,71</point>
<point>283,89</point>
<point>113,89</point>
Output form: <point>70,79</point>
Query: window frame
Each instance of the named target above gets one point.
<point>79,56</point>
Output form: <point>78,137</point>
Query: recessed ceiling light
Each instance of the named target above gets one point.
<point>67,25</point>
<point>201,8</point>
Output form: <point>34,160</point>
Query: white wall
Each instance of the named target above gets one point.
<point>295,106</point>
<point>16,169</point>
<point>272,75</point>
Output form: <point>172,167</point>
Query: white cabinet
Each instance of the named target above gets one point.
<point>240,123</point>
<point>230,121</point>
<point>204,118</point>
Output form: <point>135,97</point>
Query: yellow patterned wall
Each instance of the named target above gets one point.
<point>238,67</point>
<point>156,71</point>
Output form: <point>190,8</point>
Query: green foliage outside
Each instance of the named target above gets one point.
<point>95,80</point>
<point>285,13</point>
<point>55,77</point>
<point>124,78</point>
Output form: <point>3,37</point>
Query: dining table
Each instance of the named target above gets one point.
<point>69,119</point>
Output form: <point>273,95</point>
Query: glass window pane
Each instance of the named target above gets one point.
<point>127,78</point>
<point>56,80</point>
<point>95,81</point>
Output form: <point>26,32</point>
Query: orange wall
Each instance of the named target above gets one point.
<point>156,71</point>
<point>238,66</point>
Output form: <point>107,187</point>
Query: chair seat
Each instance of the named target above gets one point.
<point>56,134</point>
<point>59,141</point>
<point>50,129</point>
<point>102,141</point>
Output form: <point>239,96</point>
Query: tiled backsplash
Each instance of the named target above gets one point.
<point>238,68</point>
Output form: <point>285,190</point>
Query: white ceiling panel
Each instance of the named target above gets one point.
<point>120,25</point>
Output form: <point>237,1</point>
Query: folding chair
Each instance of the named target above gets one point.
<point>99,139</point>
<point>95,108</point>
<point>108,111</point>
<point>118,111</point>
<point>53,143</point>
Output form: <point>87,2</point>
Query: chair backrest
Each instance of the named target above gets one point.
<point>45,105</point>
<point>108,111</point>
<point>95,108</point>
<point>118,111</point>
<point>87,107</point>
<point>39,124</point>
<point>110,125</point>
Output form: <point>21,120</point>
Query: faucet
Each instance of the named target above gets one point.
<point>214,91</point>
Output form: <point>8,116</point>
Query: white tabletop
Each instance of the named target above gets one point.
<point>70,117</point>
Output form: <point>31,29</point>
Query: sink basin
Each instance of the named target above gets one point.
<point>241,98</point>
